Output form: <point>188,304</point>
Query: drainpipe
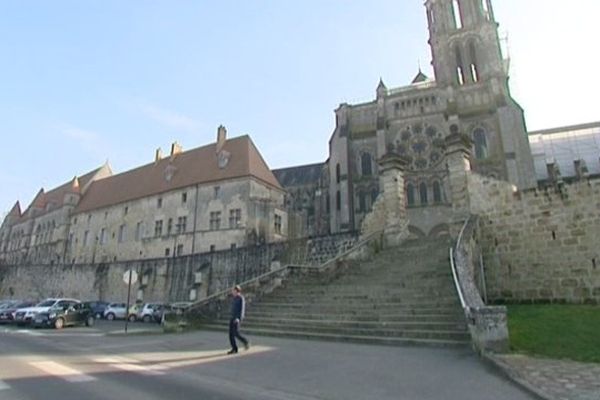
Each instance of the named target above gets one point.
<point>194,228</point>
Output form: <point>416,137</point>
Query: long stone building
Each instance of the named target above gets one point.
<point>214,197</point>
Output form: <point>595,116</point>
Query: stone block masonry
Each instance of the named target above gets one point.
<point>166,279</point>
<point>539,245</point>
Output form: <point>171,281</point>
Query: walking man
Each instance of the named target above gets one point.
<point>238,309</point>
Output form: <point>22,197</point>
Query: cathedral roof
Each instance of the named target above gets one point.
<point>238,158</point>
<point>15,211</point>
<point>299,176</point>
<point>421,77</point>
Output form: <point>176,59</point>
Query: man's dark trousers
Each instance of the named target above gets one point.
<point>234,332</point>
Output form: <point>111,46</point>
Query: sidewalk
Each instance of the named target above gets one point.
<point>553,379</point>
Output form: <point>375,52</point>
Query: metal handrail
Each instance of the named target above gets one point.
<point>453,265</point>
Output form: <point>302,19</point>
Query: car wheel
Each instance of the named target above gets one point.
<point>90,321</point>
<point>132,318</point>
<point>110,316</point>
<point>59,323</point>
<point>147,318</point>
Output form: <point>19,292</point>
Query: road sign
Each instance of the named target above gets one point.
<point>134,276</point>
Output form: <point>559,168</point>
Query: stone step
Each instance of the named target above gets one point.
<point>370,299</point>
<point>414,309</point>
<point>441,339</point>
<point>387,317</point>
<point>456,325</point>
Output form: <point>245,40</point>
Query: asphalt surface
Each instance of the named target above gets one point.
<point>103,363</point>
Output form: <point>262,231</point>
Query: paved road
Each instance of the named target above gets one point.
<point>83,363</point>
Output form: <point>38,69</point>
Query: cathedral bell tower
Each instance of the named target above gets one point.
<point>463,36</point>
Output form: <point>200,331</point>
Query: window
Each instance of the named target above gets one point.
<point>235,218</point>
<point>217,191</point>
<point>169,226</point>
<point>366,165</point>
<point>183,197</point>
<point>75,221</point>
<point>361,202</point>
<point>138,231</point>
<point>215,220</point>
<point>374,195</point>
<point>167,252</point>
<point>159,202</point>
<point>473,67</point>
<point>277,224</point>
<point>86,235</point>
<point>158,225</point>
<point>486,9</point>
<point>456,12</point>
<point>337,173</point>
<point>179,249</point>
<point>460,72</point>
<point>481,150</point>
<point>181,224</point>
<point>338,200</point>
<point>410,194</point>
<point>437,192</point>
<point>423,193</point>
<point>105,214</point>
<point>212,248</point>
<point>121,233</point>
<point>103,236</point>
<point>233,246</point>
<point>126,210</point>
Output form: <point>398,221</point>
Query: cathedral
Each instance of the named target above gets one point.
<point>468,94</point>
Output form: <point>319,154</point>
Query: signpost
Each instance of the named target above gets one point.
<point>129,277</point>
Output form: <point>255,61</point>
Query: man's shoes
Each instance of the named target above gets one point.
<point>246,345</point>
<point>232,351</point>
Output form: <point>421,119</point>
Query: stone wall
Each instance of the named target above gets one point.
<point>167,279</point>
<point>539,245</point>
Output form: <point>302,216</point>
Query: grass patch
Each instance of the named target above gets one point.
<point>556,331</point>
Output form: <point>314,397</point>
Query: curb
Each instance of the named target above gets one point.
<point>513,376</point>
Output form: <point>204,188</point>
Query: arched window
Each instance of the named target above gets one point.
<point>481,148</point>
<point>410,194</point>
<point>423,192</point>
<point>362,204</point>
<point>473,67</point>
<point>365,163</point>
<point>460,71</point>
<point>338,201</point>
<point>337,173</point>
<point>437,192</point>
<point>457,14</point>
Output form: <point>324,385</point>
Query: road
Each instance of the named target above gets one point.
<point>90,364</point>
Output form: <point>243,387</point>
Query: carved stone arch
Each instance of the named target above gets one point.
<point>439,231</point>
<point>415,233</point>
<point>481,135</point>
<point>365,161</point>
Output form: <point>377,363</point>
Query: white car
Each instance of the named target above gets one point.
<point>117,311</point>
<point>146,312</point>
<point>26,315</point>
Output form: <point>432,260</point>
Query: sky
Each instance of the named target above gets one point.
<point>83,82</point>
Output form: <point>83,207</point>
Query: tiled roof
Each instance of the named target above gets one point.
<point>56,196</point>
<point>15,211</point>
<point>196,166</point>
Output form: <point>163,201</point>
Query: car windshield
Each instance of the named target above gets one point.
<point>46,303</point>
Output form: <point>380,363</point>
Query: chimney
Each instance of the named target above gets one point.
<point>175,149</point>
<point>158,155</point>
<point>221,138</point>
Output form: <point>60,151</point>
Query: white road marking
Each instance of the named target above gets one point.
<point>62,371</point>
<point>130,365</point>
<point>4,386</point>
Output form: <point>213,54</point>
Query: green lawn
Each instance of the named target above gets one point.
<point>556,331</point>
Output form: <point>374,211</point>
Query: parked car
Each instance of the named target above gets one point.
<point>24,316</point>
<point>175,308</point>
<point>66,315</point>
<point>147,310</point>
<point>8,310</point>
<point>97,307</point>
<point>117,311</point>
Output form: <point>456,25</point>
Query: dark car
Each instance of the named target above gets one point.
<point>97,307</point>
<point>7,313</point>
<point>69,315</point>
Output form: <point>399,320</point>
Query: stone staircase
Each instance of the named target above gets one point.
<point>403,296</point>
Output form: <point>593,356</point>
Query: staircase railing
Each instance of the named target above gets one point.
<point>487,324</point>
<point>212,306</point>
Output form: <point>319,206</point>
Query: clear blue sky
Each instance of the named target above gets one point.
<point>86,81</point>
